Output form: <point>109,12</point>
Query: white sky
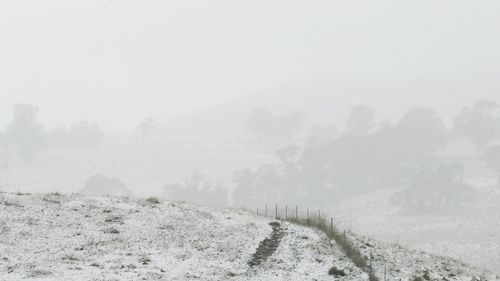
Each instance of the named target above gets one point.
<point>110,61</point>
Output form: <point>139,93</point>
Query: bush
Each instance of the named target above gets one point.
<point>102,185</point>
<point>337,272</point>
<point>436,189</point>
<point>153,201</point>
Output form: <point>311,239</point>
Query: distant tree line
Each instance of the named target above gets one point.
<point>198,189</point>
<point>25,135</point>
<point>367,157</point>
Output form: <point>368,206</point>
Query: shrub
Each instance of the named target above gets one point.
<point>337,272</point>
<point>153,200</point>
<point>102,185</point>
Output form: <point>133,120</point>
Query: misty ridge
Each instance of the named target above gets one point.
<point>433,168</point>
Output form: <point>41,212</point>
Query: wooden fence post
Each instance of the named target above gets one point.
<point>286,212</point>
<point>296,212</point>
<point>319,217</point>
<point>276,210</point>
<point>371,268</point>
<point>331,225</point>
<point>266,210</point>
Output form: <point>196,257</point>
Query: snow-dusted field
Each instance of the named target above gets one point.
<point>71,237</point>
<point>471,236</point>
<point>55,237</point>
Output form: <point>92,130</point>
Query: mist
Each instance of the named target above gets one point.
<point>385,115</point>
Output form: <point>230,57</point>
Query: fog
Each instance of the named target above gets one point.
<point>385,114</point>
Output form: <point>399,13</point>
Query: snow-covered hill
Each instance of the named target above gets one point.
<point>71,237</point>
<point>470,235</point>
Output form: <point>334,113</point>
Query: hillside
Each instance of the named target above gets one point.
<point>470,235</point>
<point>71,237</point>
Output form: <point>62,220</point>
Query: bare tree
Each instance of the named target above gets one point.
<point>145,128</point>
<point>25,132</point>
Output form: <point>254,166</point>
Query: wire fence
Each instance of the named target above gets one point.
<point>291,212</point>
<point>321,220</point>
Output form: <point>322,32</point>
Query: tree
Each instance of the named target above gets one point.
<point>288,156</point>
<point>214,193</point>
<point>85,135</point>
<point>80,135</point>
<point>4,158</point>
<point>198,189</point>
<point>413,141</point>
<point>245,191</point>
<point>146,128</point>
<point>360,160</point>
<point>361,121</point>
<point>423,129</point>
<point>319,135</point>
<point>386,157</point>
<point>259,122</point>
<point>262,186</point>
<point>286,126</point>
<point>4,154</point>
<point>492,158</point>
<point>60,138</point>
<point>25,132</point>
<point>436,190</point>
<point>480,123</point>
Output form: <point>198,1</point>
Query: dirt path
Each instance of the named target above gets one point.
<point>267,246</point>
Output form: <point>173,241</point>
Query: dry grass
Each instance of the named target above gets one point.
<point>341,238</point>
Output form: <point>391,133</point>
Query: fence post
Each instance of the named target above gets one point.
<point>296,212</point>
<point>307,216</point>
<point>276,210</point>
<point>371,268</point>
<point>286,212</point>
<point>319,217</point>
<point>266,210</point>
<point>331,225</point>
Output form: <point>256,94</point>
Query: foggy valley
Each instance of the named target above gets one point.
<point>236,140</point>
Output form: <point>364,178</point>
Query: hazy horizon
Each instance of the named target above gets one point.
<point>384,114</point>
<point>117,62</point>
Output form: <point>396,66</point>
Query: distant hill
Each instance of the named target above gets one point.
<point>326,104</point>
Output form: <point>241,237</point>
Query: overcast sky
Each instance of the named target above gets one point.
<point>105,61</point>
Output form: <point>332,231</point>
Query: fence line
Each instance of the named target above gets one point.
<point>285,213</point>
<point>321,222</point>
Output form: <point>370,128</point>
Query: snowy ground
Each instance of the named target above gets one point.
<point>59,237</point>
<point>71,237</point>
<point>393,262</point>
<point>471,236</point>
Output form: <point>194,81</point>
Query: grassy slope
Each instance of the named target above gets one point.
<point>59,237</point>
